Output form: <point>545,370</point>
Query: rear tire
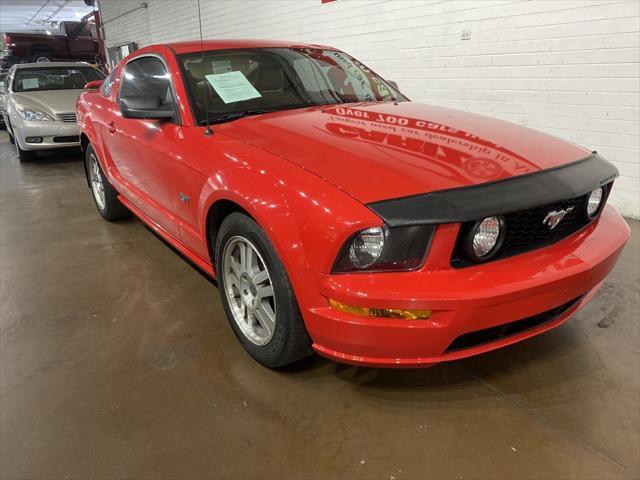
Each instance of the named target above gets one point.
<point>41,57</point>
<point>258,299</point>
<point>104,195</point>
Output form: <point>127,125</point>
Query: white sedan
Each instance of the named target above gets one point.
<point>40,102</point>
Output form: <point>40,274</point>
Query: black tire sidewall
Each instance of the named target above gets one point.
<point>276,352</point>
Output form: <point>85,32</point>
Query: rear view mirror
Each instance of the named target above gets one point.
<point>145,106</point>
<point>393,84</point>
<point>93,84</point>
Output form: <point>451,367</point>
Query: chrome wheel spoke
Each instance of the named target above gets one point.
<point>264,292</point>
<point>248,267</point>
<point>260,277</point>
<point>235,269</point>
<point>243,257</point>
<point>233,285</point>
<point>266,317</point>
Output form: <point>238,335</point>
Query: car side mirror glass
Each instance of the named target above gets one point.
<point>93,85</point>
<point>145,106</point>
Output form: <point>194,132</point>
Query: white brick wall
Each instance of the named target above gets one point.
<point>567,67</point>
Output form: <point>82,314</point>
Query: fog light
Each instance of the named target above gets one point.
<point>380,312</point>
<point>594,202</point>
<point>487,236</point>
<point>34,139</point>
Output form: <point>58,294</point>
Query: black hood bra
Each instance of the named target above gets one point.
<point>500,197</point>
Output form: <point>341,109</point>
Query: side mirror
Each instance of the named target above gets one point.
<point>93,85</point>
<point>145,106</point>
<point>393,84</point>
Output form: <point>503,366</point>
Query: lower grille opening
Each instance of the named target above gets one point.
<point>69,139</point>
<point>488,335</point>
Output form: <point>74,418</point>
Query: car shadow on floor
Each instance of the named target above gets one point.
<point>180,254</point>
<point>552,352</point>
<point>60,155</point>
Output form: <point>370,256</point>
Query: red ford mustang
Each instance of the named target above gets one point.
<point>340,217</point>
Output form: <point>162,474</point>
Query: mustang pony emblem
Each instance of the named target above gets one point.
<point>554,217</point>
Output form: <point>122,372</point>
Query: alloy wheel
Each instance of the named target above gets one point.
<point>249,290</point>
<point>97,187</point>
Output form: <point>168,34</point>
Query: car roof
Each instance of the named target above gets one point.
<point>224,44</point>
<point>20,66</point>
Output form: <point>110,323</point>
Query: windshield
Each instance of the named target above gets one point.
<point>225,82</point>
<point>54,78</point>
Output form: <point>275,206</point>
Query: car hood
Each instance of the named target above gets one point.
<point>49,101</point>
<point>378,151</point>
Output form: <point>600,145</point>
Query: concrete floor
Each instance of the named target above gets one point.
<point>117,362</point>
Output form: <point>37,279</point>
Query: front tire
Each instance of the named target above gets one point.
<point>258,299</point>
<point>24,155</point>
<point>10,132</point>
<point>104,195</point>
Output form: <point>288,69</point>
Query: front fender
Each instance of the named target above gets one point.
<point>306,218</point>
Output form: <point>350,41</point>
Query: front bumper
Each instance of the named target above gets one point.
<point>54,133</point>
<point>462,300</point>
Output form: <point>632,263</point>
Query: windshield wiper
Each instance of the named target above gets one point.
<point>227,117</point>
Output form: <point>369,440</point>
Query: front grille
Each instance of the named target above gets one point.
<point>493,334</point>
<point>525,230</point>
<point>69,139</point>
<point>66,117</point>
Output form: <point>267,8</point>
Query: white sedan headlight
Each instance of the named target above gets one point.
<point>31,114</point>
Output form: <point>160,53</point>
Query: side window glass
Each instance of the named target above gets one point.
<point>146,76</point>
<point>107,85</point>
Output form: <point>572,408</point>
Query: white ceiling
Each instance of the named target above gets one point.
<point>33,15</point>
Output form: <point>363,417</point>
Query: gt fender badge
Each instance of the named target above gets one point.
<point>554,217</point>
<point>184,198</point>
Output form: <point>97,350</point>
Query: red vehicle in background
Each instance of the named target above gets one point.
<point>340,217</point>
<point>73,41</point>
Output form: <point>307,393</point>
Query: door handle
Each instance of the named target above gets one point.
<point>112,127</point>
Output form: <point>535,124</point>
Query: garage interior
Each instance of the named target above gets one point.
<point>117,361</point>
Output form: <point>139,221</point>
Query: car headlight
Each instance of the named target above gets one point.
<point>384,249</point>
<point>484,239</point>
<point>594,202</point>
<point>30,114</point>
<point>366,247</point>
